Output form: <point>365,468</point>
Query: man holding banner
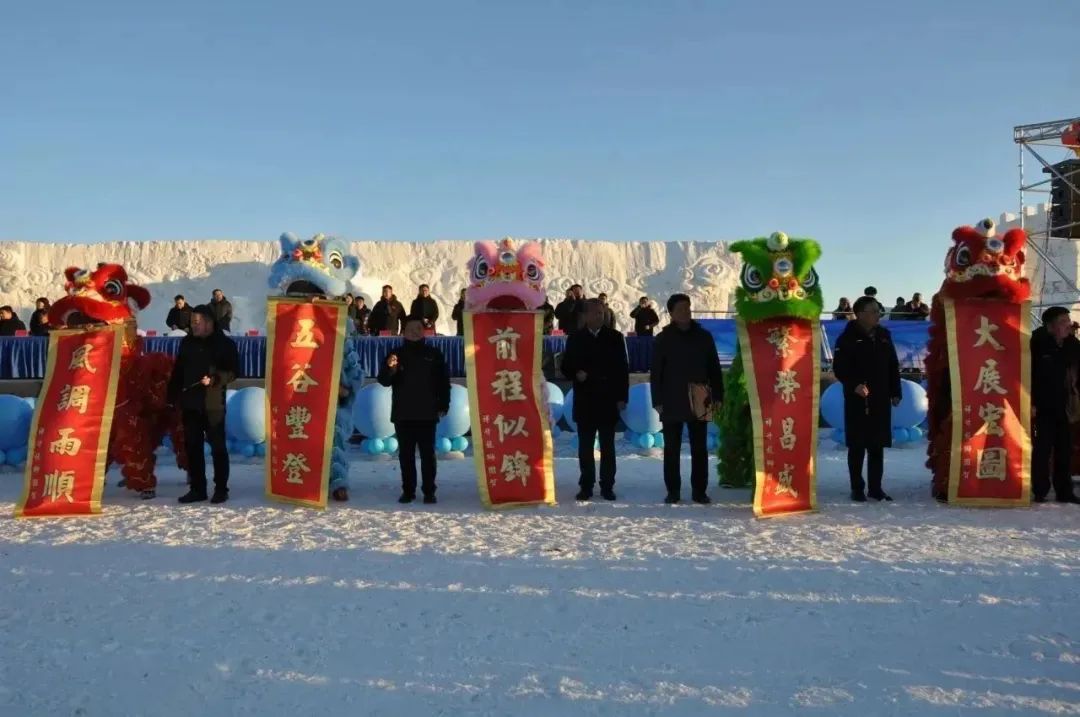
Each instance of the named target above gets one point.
<point>420,382</point>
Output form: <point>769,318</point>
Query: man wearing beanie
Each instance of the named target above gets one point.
<point>686,388</point>
<point>205,366</point>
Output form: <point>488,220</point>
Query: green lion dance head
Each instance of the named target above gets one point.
<point>778,278</point>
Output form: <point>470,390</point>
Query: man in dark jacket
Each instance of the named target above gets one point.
<point>685,362</point>
<point>204,368</point>
<point>421,396</point>
<point>358,313</point>
<point>1055,372</point>
<point>458,314</point>
<point>609,315</point>
<point>595,360</point>
<point>179,318</point>
<point>865,362</point>
<point>387,314</point>
<point>9,322</point>
<point>899,310</point>
<point>549,316</point>
<point>645,317</point>
<point>222,311</point>
<point>424,306</point>
<point>39,320</point>
<point>571,311</point>
<point>916,309</point>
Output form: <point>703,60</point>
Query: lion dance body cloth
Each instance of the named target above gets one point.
<point>306,271</point>
<point>978,371</point>
<point>511,429</point>
<point>768,423</point>
<point>141,417</point>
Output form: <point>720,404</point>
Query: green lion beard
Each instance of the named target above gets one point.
<point>764,292</point>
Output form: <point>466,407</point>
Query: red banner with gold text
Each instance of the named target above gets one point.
<point>69,446</point>
<point>782,361</point>
<point>990,383</point>
<point>510,428</point>
<point>304,349</point>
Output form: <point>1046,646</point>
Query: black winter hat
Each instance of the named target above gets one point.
<point>206,312</point>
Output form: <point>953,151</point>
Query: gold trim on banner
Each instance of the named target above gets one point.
<point>474,409</point>
<point>102,457</point>
<point>102,463</point>
<point>335,387</point>
<point>271,333</point>
<point>956,397</point>
<point>746,349</point>
<point>539,384</point>
<point>815,328</point>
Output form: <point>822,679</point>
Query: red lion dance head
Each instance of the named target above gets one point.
<point>101,296</point>
<point>982,265</point>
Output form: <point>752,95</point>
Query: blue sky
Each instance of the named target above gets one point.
<point>873,127</point>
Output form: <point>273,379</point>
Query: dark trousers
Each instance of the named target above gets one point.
<point>587,431</point>
<point>875,467</point>
<point>208,426</point>
<point>1053,442</point>
<point>699,456</point>
<point>410,436</point>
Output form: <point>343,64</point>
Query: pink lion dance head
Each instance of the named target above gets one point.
<point>502,279</point>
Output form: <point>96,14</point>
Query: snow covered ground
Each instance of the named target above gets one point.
<point>630,608</point>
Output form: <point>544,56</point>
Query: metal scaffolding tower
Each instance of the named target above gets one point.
<point>1049,135</point>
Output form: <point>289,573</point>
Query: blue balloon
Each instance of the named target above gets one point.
<point>568,411</point>
<point>260,450</point>
<point>245,415</point>
<point>206,448</point>
<point>900,435</point>
<point>658,439</point>
<point>247,449</point>
<point>390,445</point>
<point>15,419</point>
<point>31,401</point>
<point>714,430</point>
<point>711,443</point>
<point>832,405</point>
<point>645,440</point>
<point>371,411</point>
<point>16,456</point>
<point>456,421</point>
<point>839,435</point>
<point>376,445</point>
<point>913,405</point>
<point>442,445</point>
<point>459,443</point>
<point>639,414</point>
<point>915,434</point>
<point>556,401</point>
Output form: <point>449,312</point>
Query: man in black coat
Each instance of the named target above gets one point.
<point>865,362</point>
<point>1055,372</point>
<point>571,311</point>
<point>424,307</point>
<point>549,316</point>
<point>9,322</point>
<point>458,314</point>
<point>222,311</point>
<point>421,396</point>
<point>387,314</point>
<point>204,368</point>
<point>595,360</point>
<point>179,318</point>
<point>645,318</point>
<point>359,314</point>
<point>684,362</point>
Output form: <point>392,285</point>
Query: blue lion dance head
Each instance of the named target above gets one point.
<point>320,266</point>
